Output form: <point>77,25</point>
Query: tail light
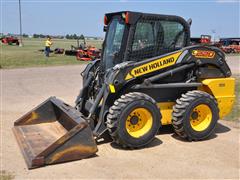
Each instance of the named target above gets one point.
<point>125,16</point>
<point>105,20</point>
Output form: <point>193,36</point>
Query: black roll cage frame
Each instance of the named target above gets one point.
<point>130,28</point>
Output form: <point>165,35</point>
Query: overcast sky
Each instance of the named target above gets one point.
<point>86,17</point>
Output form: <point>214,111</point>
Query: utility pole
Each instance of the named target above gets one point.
<point>20,23</point>
<point>213,33</point>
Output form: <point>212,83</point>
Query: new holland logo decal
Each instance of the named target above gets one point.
<point>153,66</point>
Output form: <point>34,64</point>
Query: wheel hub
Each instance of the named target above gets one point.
<point>134,120</point>
<point>139,122</point>
<point>194,115</point>
<point>201,117</point>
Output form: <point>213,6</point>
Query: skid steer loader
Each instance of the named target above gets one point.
<point>148,76</point>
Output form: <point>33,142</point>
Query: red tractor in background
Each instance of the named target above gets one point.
<point>88,54</point>
<point>10,40</point>
<point>205,39</point>
<point>84,52</point>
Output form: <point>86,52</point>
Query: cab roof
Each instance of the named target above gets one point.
<point>135,16</point>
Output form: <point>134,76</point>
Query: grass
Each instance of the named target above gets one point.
<point>4,175</point>
<point>235,113</point>
<point>30,56</point>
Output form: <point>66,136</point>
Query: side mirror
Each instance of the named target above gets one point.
<point>189,21</point>
<point>105,28</point>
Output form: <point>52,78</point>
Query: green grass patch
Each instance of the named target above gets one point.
<point>29,55</point>
<point>4,175</point>
<point>235,113</point>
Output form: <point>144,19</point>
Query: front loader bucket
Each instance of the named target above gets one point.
<point>53,132</point>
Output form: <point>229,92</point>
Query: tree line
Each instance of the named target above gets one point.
<point>68,36</point>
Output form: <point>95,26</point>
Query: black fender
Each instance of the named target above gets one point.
<point>218,60</point>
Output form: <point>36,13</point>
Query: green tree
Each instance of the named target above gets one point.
<point>81,36</point>
<point>75,36</point>
<point>35,36</point>
<point>25,35</point>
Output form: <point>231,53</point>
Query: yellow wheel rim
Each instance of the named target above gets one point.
<point>139,122</point>
<point>201,117</point>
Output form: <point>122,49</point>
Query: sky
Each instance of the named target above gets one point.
<point>61,17</point>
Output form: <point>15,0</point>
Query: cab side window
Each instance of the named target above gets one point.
<point>153,38</point>
<point>144,36</point>
<point>174,35</point>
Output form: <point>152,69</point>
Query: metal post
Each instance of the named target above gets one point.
<point>213,33</point>
<point>20,23</point>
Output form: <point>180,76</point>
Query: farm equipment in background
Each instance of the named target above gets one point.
<point>74,49</point>
<point>204,39</point>
<point>144,79</point>
<point>84,52</point>
<point>55,51</point>
<point>58,51</point>
<point>10,40</point>
<point>88,54</point>
<point>71,52</point>
<point>229,45</point>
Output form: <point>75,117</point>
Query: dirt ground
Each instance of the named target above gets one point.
<point>165,157</point>
<point>234,63</point>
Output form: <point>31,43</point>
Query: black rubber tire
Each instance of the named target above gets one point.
<point>182,111</point>
<point>116,119</point>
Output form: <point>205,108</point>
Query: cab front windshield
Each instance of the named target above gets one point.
<point>113,42</point>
